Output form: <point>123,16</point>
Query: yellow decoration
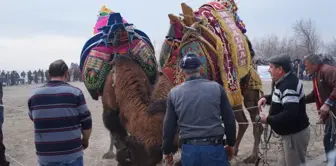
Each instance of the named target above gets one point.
<point>105,9</point>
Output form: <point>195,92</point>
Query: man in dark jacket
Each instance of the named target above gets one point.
<point>3,161</point>
<point>324,95</point>
<point>287,116</point>
<point>199,107</point>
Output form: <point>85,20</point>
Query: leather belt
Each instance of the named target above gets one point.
<point>204,141</point>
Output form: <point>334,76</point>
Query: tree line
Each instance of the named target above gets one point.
<point>305,40</point>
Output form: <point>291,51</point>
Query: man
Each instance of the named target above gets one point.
<point>3,161</point>
<point>323,94</point>
<point>61,119</point>
<point>287,116</point>
<point>199,107</point>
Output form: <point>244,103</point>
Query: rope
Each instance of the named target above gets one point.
<point>316,134</point>
<point>242,109</point>
<point>13,159</point>
<point>265,146</point>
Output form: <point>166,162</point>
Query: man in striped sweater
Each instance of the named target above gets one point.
<point>62,120</point>
<point>287,116</point>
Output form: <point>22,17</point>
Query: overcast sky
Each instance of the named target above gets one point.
<point>34,33</point>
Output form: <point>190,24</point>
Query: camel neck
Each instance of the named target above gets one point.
<point>133,87</point>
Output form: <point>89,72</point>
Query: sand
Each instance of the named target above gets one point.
<point>19,140</point>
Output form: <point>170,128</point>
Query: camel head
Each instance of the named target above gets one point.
<point>186,34</point>
<point>195,32</point>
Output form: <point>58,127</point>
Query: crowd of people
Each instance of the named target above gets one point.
<point>63,123</point>
<point>11,78</point>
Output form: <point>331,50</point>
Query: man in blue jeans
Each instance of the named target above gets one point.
<point>199,107</point>
<point>3,161</point>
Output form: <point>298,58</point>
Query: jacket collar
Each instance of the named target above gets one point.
<point>318,70</point>
<point>283,78</point>
<point>193,78</point>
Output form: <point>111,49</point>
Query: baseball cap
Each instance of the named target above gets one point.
<point>190,61</point>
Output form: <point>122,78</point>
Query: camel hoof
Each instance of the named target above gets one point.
<point>109,155</point>
<point>251,159</point>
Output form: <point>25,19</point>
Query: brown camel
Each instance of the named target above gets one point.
<point>187,31</point>
<point>133,112</point>
<point>127,105</point>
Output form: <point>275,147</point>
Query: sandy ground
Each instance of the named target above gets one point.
<point>19,140</point>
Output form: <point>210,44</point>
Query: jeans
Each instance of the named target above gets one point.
<point>78,162</point>
<point>329,137</point>
<point>204,155</point>
<point>331,158</point>
<point>329,140</point>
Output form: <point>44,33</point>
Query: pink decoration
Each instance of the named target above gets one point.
<point>101,22</point>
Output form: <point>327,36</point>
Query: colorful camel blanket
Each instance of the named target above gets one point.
<point>113,36</point>
<point>222,48</point>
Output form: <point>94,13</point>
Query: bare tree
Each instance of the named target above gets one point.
<point>307,39</point>
<point>331,48</point>
<point>266,46</point>
<point>287,46</point>
<point>271,45</point>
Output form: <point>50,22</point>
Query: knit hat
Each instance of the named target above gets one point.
<point>190,61</point>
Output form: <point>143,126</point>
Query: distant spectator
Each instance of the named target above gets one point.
<point>61,118</point>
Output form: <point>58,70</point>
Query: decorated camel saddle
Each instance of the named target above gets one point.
<point>215,33</point>
<point>114,36</point>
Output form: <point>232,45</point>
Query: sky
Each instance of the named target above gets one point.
<point>36,32</point>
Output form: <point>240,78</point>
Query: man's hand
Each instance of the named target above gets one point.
<point>263,118</point>
<point>324,111</point>
<point>168,159</point>
<point>85,143</point>
<point>261,102</point>
<point>86,137</point>
<point>229,150</point>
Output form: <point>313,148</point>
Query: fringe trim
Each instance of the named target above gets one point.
<point>236,97</point>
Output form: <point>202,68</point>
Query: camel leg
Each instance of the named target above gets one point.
<point>251,101</point>
<point>109,154</point>
<point>241,118</point>
<point>117,132</point>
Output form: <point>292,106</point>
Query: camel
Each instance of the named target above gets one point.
<point>75,72</point>
<point>195,31</point>
<point>118,64</point>
<point>134,110</point>
<point>142,117</point>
